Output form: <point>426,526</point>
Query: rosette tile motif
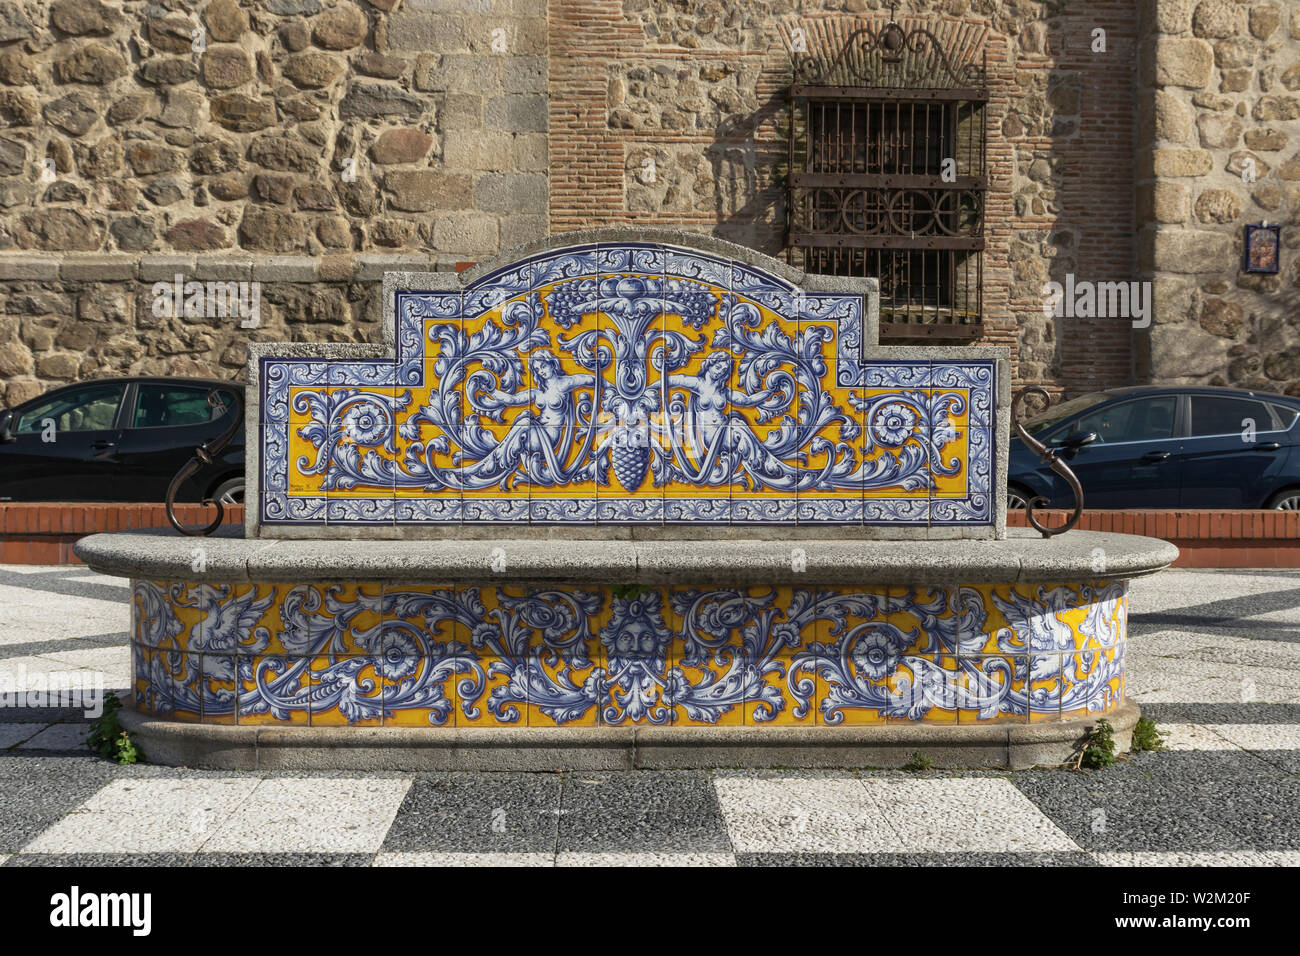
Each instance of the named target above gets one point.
<point>632,383</point>
<point>464,656</point>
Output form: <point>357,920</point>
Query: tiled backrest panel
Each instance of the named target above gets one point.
<point>633,383</point>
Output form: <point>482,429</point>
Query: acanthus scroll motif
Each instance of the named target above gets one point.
<point>618,402</point>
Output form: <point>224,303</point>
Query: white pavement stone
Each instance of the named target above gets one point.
<point>18,674</point>
<point>146,816</point>
<point>104,659</point>
<point>884,815</point>
<point>1170,644</point>
<point>1194,737</point>
<point>1150,682</point>
<point>1231,736</point>
<point>80,833</point>
<point>171,796</point>
<point>1216,858</point>
<point>13,635</point>
<point>62,683</point>
<point>71,608</point>
<point>14,600</point>
<point>977,815</point>
<point>645,859</point>
<point>796,815</point>
<point>1260,736</point>
<point>1171,688</point>
<point>29,629</point>
<point>464,859</point>
<point>1175,589</point>
<point>312,815</point>
<point>1195,669</point>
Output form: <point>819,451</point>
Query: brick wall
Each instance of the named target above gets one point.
<point>700,93</point>
<point>1206,539</point>
<point>45,533</point>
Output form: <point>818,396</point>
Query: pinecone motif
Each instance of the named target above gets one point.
<point>630,460</point>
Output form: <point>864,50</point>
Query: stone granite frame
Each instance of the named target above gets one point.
<point>993,527</point>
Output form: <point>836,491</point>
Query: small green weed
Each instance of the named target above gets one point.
<point>1099,747</point>
<point>108,739</point>
<point>918,764</point>
<point>1147,737</point>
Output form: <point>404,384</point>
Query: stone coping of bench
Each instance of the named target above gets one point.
<point>1023,556</point>
<point>543,749</point>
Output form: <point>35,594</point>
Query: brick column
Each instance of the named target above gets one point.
<point>585,38</point>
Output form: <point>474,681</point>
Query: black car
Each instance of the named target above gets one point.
<point>1153,447</point>
<point>120,439</point>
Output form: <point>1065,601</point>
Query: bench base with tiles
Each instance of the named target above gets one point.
<point>863,642</point>
<point>627,496</point>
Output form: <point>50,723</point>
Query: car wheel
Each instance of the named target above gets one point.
<point>230,492</point>
<point>1017,498</point>
<point>1288,500</point>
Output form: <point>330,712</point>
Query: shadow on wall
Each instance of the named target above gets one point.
<point>1254,329</point>
<point>1030,127</point>
<point>749,178</point>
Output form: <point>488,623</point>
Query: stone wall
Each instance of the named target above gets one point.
<point>285,126</point>
<point>1221,94</point>
<point>449,130</point>
<point>66,318</point>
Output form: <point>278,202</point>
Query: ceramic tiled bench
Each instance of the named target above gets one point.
<point>626,499</point>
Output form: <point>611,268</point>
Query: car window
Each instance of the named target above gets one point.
<point>85,409</point>
<point>1286,415</point>
<point>1058,413</point>
<point>1146,419</point>
<point>171,406</point>
<point>1215,415</point>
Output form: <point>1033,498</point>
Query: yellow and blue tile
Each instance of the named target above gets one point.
<point>859,660</point>
<point>348,653</point>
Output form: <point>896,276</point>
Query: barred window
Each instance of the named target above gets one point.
<point>889,181</point>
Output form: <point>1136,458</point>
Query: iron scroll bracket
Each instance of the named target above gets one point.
<point>204,455</point>
<point>1052,458</point>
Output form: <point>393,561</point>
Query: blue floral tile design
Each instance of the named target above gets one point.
<point>555,391</point>
<point>444,655</point>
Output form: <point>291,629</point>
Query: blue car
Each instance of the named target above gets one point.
<point>119,439</point>
<point>1152,447</point>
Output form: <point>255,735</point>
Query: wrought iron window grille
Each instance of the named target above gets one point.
<point>887,158</point>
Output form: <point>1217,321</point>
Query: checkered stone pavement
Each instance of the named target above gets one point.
<point>1214,658</point>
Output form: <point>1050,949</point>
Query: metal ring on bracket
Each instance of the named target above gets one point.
<point>1051,457</point>
<point>204,455</point>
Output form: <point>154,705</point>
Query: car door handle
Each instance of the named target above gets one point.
<point>1269,446</point>
<point>102,445</point>
<point>1155,456</point>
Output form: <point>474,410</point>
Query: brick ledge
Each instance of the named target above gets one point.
<point>1205,539</point>
<point>44,532</point>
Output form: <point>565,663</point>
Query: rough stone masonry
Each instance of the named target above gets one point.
<point>310,144</point>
